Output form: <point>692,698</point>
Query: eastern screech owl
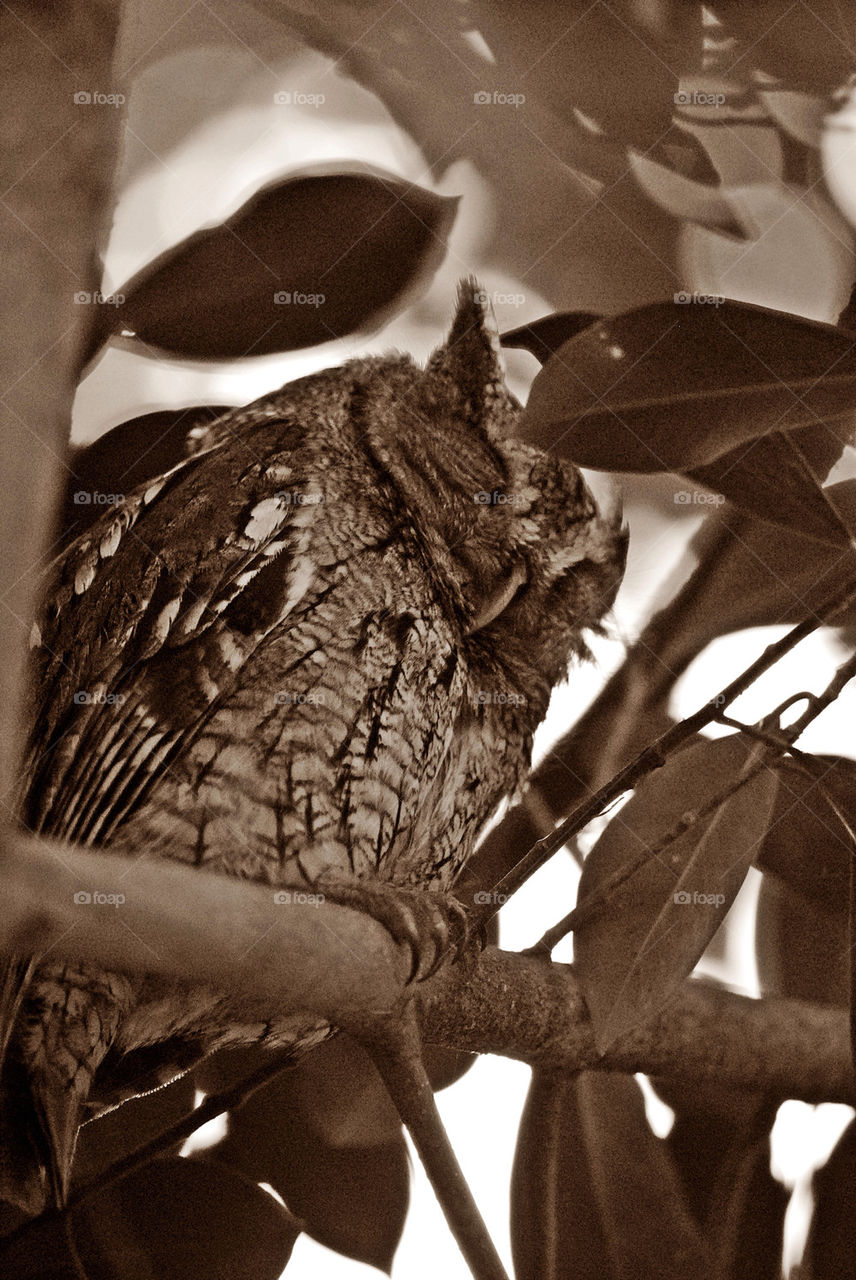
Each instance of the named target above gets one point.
<point>323,641</point>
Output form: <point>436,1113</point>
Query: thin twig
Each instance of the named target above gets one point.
<point>656,753</point>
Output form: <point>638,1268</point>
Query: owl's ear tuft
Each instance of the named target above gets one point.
<point>468,370</point>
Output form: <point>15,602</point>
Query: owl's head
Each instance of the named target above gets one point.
<point>520,550</point>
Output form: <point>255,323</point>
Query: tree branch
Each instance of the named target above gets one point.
<point>340,964</point>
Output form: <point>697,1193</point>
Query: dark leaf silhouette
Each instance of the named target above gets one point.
<point>304,261</point>
<point>125,456</point>
<point>631,956</point>
<point>583,52</point>
<point>806,844</point>
<point>594,1194</point>
<point>751,573</point>
<point>720,1146</point>
<point>672,387</point>
<point>184,1219</point>
<point>545,336</point>
<point>801,947</point>
<point>779,478</point>
<point>352,1198</point>
<point>130,1126</point>
<point>805,46</point>
<point>831,1245</point>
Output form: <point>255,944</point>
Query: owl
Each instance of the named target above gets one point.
<point>320,645</point>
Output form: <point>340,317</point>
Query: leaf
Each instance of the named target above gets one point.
<point>806,844</point>
<point>594,1194</point>
<point>801,948</point>
<point>351,1198</point>
<point>545,336</point>
<point>780,478</point>
<point>127,455</point>
<point>304,261</point>
<point>671,387</point>
<point>186,1219</point>
<point>45,1252</point>
<point>700,202</point>
<point>799,114</point>
<point>831,1245</point>
<point>720,1145</point>
<point>750,573</point>
<point>130,1126</point>
<point>633,955</point>
<point>806,46</point>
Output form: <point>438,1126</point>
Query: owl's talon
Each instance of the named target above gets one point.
<point>432,925</point>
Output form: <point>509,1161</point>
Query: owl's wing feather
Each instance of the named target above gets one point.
<point>161,574</point>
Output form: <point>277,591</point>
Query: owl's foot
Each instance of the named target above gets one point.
<point>432,925</point>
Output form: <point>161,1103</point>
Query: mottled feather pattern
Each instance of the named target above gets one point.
<point>321,644</point>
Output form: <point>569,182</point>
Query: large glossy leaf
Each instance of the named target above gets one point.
<point>806,844</point>
<point>351,1198</point>
<point>720,1145</point>
<point>186,1219</point>
<point>632,956</point>
<point>304,261</point>
<point>831,1246</point>
<point>801,947</point>
<point>671,386</point>
<point>780,476</point>
<point>594,1195</point>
